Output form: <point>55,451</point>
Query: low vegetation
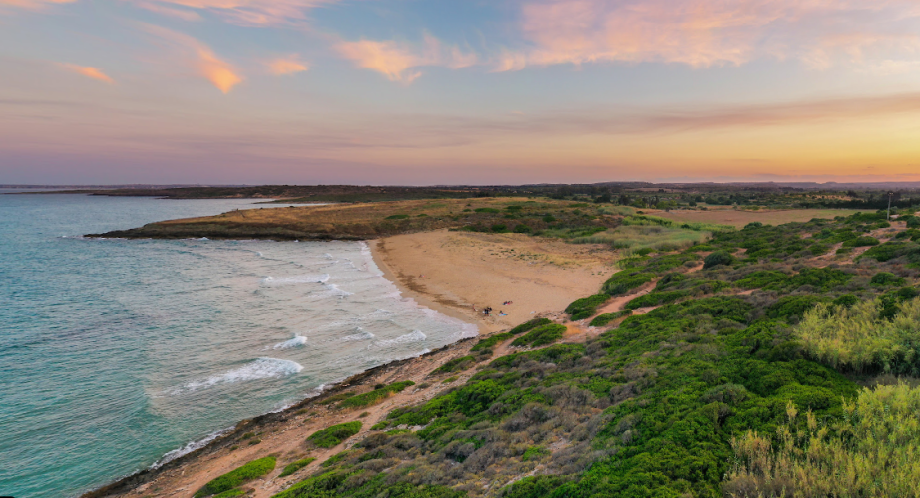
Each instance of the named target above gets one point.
<point>541,336</point>
<point>240,475</point>
<point>334,435</point>
<point>375,396</point>
<point>295,466</point>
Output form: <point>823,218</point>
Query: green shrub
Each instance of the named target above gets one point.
<point>824,279</point>
<point>455,364</point>
<point>859,339</point>
<point>375,396</point>
<point>398,217</point>
<point>586,306</point>
<point>498,227</point>
<point>487,210</point>
<point>514,208</point>
<point>540,336</point>
<point>794,306</point>
<point>231,493</point>
<point>232,479</point>
<point>623,282</point>
<point>891,250</point>
<point>846,300</point>
<point>534,453</point>
<point>760,279</point>
<point>333,435</point>
<point>522,228</point>
<point>718,258</point>
<point>655,299</point>
<point>529,325</point>
<point>885,278</point>
<point>295,466</point>
<point>601,320</point>
<point>913,222</point>
<point>863,241</point>
<point>549,218</point>
<point>490,342</point>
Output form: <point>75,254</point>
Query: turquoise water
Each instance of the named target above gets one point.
<point>114,353</point>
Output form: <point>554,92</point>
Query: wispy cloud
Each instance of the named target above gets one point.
<point>89,72</point>
<point>703,33</point>
<point>220,73</point>
<point>401,61</point>
<point>286,65</point>
<point>32,4</point>
<point>253,12</point>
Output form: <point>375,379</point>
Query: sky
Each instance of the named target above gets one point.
<point>425,92</point>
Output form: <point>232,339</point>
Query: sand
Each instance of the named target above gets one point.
<point>452,272</point>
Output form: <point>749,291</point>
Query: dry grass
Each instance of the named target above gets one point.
<point>873,452</point>
<point>739,218</point>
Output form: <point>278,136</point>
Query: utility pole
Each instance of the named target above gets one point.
<point>890,195</point>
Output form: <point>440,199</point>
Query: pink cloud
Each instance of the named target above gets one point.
<point>90,72</point>
<point>220,73</point>
<point>286,65</point>
<point>703,33</point>
<point>401,61</point>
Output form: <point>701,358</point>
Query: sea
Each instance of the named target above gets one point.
<point>118,355</point>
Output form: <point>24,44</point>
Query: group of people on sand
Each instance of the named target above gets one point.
<point>487,311</point>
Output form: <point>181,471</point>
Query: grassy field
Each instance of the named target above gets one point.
<point>739,218</point>
<point>554,218</point>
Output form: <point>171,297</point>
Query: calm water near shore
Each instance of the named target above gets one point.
<point>114,352</point>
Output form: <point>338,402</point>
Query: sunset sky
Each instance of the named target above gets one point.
<point>463,91</point>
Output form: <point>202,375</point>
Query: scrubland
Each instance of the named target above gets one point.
<point>761,361</point>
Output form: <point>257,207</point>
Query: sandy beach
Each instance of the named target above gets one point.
<point>453,272</point>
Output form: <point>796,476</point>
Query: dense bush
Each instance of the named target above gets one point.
<point>489,342</point>
<point>398,217</point>
<point>718,258</point>
<point>375,396</point>
<point>623,282</point>
<point>760,279</point>
<point>794,306</point>
<point>859,339</point>
<point>864,241</point>
<point>529,325</point>
<point>232,479</point>
<point>586,306</point>
<point>655,299</point>
<point>892,250</point>
<point>820,278</point>
<point>541,336</point>
<point>873,452</point>
<point>601,320</point>
<point>295,466</point>
<point>885,278</point>
<point>333,435</point>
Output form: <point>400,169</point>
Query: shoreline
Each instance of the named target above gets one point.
<point>392,256</point>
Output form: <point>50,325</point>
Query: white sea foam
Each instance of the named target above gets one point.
<point>297,340</point>
<point>299,279</point>
<point>261,368</point>
<point>362,335</point>
<point>190,447</point>
<point>333,290</point>
<point>414,336</point>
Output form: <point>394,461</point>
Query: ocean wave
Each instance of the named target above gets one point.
<point>190,447</point>
<point>300,279</point>
<point>333,290</point>
<point>362,335</point>
<point>414,336</point>
<point>297,340</point>
<point>261,368</point>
